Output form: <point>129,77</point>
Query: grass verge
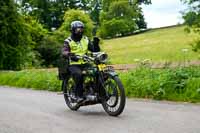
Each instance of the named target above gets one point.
<point>38,79</point>
<point>180,84</point>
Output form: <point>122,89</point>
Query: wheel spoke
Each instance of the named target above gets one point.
<point>114,95</point>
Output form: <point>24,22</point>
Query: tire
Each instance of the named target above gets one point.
<point>114,88</point>
<point>68,89</point>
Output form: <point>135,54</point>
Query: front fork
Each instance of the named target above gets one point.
<point>101,79</point>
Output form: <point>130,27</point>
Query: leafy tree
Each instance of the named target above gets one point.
<point>106,3</point>
<point>39,37</point>
<point>15,39</point>
<point>141,1</point>
<point>48,46</point>
<point>140,21</point>
<point>51,12</point>
<point>40,9</point>
<point>121,19</point>
<point>35,29</point>
<point>192,19</point>
<point>116,27</point>
<point>45,47</point>
<point>95,9</point>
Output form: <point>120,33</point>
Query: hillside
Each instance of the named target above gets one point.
<point>158,45</point>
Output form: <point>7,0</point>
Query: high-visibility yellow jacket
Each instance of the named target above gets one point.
<point>79,48</point>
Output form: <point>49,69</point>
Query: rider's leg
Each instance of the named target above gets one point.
<point>76,72</point>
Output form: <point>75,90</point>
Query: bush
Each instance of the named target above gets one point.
<point>49,51</point>
<point>192,20</point>
<point>46,49</point>
<point>196,46</point>
<point>38,34</point>
<point>180,84</point>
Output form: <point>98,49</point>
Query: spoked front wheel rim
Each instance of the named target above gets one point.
<point>115,96</point>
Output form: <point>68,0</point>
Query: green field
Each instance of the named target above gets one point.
<point>158,45</point>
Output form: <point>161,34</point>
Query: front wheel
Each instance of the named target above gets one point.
<point>68,87</point>
<point>115,100</point>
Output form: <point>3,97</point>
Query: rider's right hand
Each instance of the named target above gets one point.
<point>73,57</point>
<point>71,54</point>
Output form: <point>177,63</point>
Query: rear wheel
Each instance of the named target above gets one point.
<point>115,102</point>
<point>68,87</point>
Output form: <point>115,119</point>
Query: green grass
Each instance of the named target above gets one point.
<point>159,45</point>
<point>180,84</point>
<point>38,79</point>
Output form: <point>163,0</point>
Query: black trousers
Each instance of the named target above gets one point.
<point>76,72</point>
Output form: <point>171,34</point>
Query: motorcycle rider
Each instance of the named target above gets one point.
<point>78,44</point>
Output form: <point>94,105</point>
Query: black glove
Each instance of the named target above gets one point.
<point>95,43</point>
<point>96,40</point>
<point>73,57</point>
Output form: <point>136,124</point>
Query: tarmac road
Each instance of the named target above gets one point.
<point>28,111</point>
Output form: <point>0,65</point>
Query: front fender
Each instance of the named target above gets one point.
<point>112,73</point>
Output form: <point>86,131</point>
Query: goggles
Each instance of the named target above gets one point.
<point>79,30</point>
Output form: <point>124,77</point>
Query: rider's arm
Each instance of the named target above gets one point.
<point>93,46</point>
<point>66,49</point>
<point>66,52</point>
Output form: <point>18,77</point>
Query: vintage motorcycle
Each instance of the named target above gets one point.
<point>101,86</point>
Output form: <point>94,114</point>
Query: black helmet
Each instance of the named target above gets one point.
<point>77,28</point>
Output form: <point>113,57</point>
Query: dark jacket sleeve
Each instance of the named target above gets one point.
<point>66,51</point>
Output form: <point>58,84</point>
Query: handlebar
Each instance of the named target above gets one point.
<point>96,57</point>
<point>85,58</point>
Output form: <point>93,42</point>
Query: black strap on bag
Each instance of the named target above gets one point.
<point>63,69</point>
<point>63,65</point>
